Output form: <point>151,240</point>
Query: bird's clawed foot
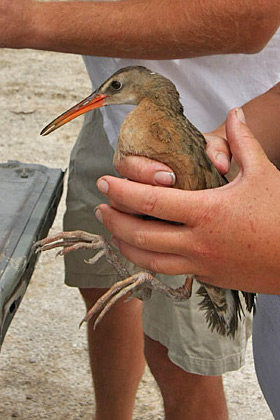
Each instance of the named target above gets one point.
<point>70,241</point>
<point>139,285</point>
<point>79,239</point>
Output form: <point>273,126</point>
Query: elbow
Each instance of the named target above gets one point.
<point>253,38</point>
<point>254,45</point>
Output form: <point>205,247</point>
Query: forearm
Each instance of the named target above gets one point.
<point>262,116</point>
<point>149,29</point>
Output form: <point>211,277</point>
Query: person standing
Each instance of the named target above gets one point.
<point>201,47</point>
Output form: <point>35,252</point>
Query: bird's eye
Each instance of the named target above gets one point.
<point>116,85</point>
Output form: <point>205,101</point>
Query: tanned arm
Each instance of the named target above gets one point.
<point>262,116</point>
<point>147,29</point>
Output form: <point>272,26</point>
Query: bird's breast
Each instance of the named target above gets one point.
<point>156,133</point>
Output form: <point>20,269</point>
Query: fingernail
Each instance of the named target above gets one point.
<point>165,178</point>
<point>103,186</point>
<point>240,115</point>
<point>98,214</point>
<point>115,242</point>
<point>222,159</point>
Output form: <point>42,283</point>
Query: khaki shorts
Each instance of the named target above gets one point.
<point>179,326</point>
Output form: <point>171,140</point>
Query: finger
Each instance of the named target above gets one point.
<point>123,209</point>
<point>218,151</point>
<point>245,149</point>
<point>152,235</point>
<point>171,264</point>
<point>163,203</point>
<point>147,171</point>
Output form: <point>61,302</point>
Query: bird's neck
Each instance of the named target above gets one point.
<point>164,101</point>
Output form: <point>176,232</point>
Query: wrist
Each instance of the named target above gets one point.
<point>24,28</point>
<point>43,25</point>
<point>38,26</point>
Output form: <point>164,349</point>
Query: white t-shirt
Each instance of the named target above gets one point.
<point>209,86</point>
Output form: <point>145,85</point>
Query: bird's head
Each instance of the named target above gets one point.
<point>128,85</point>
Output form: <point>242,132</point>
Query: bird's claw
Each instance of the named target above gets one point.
<point>70,241</point>
<point>139,285</point>
<point>130,286</point>
<point>79,239</point>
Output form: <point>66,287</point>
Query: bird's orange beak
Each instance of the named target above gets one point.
<point>91,102</point>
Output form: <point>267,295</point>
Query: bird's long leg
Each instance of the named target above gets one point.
<point>139,285</point>
<point>142,282</point>
<point>188,284</point>
<point>116,292</point>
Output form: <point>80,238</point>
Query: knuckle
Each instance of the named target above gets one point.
<point>155,265</point>
<point>201,251</point>
<point>207,216</point>
<point>149,202</point>
<point>120,166</point>
<point>108,223</point>
<point>140,239</point>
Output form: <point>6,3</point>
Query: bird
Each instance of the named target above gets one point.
<point>157,129</point>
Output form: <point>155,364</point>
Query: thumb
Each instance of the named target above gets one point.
<point>245,149</point>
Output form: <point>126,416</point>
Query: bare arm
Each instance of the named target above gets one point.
<point>148,29</point>
<point>262,116</point>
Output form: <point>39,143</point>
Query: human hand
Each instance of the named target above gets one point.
<point>147,171</point>
<point>229,236</point>
<point>16,19</point>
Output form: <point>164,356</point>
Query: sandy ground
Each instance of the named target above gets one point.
<point>44,370</point>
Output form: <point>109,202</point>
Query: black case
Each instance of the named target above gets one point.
<point>29,196</point>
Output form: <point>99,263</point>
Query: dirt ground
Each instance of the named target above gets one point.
<point>44,371</point>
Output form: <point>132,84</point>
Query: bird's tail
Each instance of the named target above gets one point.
<point>222,307</point>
